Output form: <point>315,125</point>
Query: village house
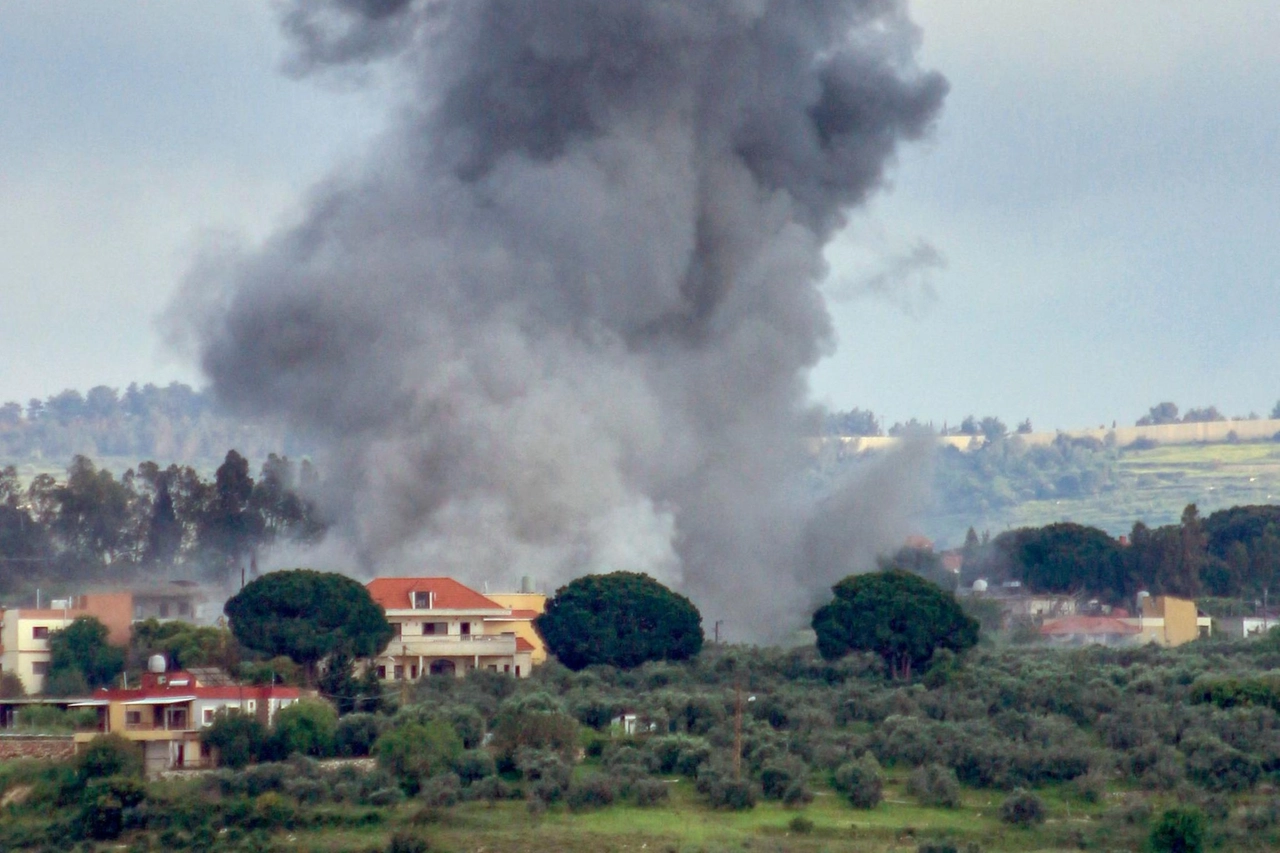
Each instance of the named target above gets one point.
<point>24,631</point>
<point>167,711</point>
<point>445,628</point>
<point>1163,620</point>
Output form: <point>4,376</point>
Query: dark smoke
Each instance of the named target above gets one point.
<point>562,319</point>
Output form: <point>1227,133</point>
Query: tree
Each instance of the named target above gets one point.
<point>1275,411</point>
<point>1179,830</point>
<point>307,727</point>
<point>308,616</point>
<point>1161,413</point>
<point>414,752</point>
<point>228,526</point>
<point>1066,557</point>
<point>238,738</point>
<point>899,616</point>
<point>622,619</point>
<point>81,649</point>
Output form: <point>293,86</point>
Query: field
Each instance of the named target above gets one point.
<point>1151,485</point>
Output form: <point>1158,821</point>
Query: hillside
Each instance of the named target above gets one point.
<point>1119,487</point>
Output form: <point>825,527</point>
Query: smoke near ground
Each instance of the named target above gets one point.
<point>560,320</point>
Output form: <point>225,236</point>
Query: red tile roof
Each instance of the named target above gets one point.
<point>397,594</point>
<point>1090,625</point>
<point>523,645</point>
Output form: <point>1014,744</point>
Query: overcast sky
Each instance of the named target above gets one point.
<point>1092,229</point>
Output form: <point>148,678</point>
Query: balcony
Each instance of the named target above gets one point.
<point>453,645</point>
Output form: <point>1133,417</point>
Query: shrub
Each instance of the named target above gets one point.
<point>1091,787</point>
<point>104,803</point>
<point>109,755</point>
<point>778,775</point>
<point>797,794</point>
<point>356,734</point>
<point>548,773</point>
<point>238,738</point>
<point>732,794</point>
<point>800,825</point>
<point>384,797</point>
<point>306,727</point>
<point>934,785</point>
<point>442,790</point>
<point>307,791</point>
<point>1179,830</point>
<point>535,721</point>
<point>473,765</point>
<point>593,791</point>
<point>860,781</point>
<point>491,788</point>
<point>407,842</point>
<point>1022,808</point>
<point>649,792</point>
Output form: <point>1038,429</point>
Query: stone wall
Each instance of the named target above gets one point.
<point>44,747</point>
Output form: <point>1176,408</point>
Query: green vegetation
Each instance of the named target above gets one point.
<point>1030,749</point>
<point>80,658</point>
<point>308,616</point>
<point>897,615</point>
<point>620,619</point>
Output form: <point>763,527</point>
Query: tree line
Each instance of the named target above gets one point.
<point>1233,553</point>
<point>93,526</point>
<point>173,422</point>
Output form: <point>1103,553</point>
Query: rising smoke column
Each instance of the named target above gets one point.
<point>561,319</point>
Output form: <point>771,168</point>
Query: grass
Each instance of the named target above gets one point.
<point>684,825</point>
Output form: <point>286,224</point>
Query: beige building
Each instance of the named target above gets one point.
<point>1168,621</point>
<point>445,628</point>
<point>24,642</point>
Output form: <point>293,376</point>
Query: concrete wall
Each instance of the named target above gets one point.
<point>43,747</point>
<point>1202,433</point>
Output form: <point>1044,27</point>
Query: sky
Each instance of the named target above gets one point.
<point>1090,230</point>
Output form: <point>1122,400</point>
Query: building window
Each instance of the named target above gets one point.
<point>396,629</point>
<point>413,673</point>
<point>164,610</point>
<point>40,632</point>
<point>466,629</point>
<point>517,670</point>
<point>382,673</point>
<point>208,716</point>
<point>253,705</point>
<point>506,667</point>
<point>132,719</point>
<point>40,667</point>
<point>184,609</point>
<point>399,673</point>
<point>422,600</point>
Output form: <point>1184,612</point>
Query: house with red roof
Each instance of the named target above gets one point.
<point>167,711</point>
<point>445,628</point>
<point>1090,630</point>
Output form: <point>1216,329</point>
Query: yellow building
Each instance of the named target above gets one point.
<point>525,607</point>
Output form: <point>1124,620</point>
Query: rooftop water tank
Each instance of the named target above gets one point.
<point>980,585</point>
<point>155,664</point>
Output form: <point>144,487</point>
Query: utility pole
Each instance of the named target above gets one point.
<point>719,622</point>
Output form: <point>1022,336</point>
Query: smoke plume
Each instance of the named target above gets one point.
<point>560,321</point>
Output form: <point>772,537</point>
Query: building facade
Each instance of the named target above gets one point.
<point>166,713</point>
<point>445,628</point>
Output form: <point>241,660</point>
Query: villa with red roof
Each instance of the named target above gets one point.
<point>165,714</point>
<point>445,628</point>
